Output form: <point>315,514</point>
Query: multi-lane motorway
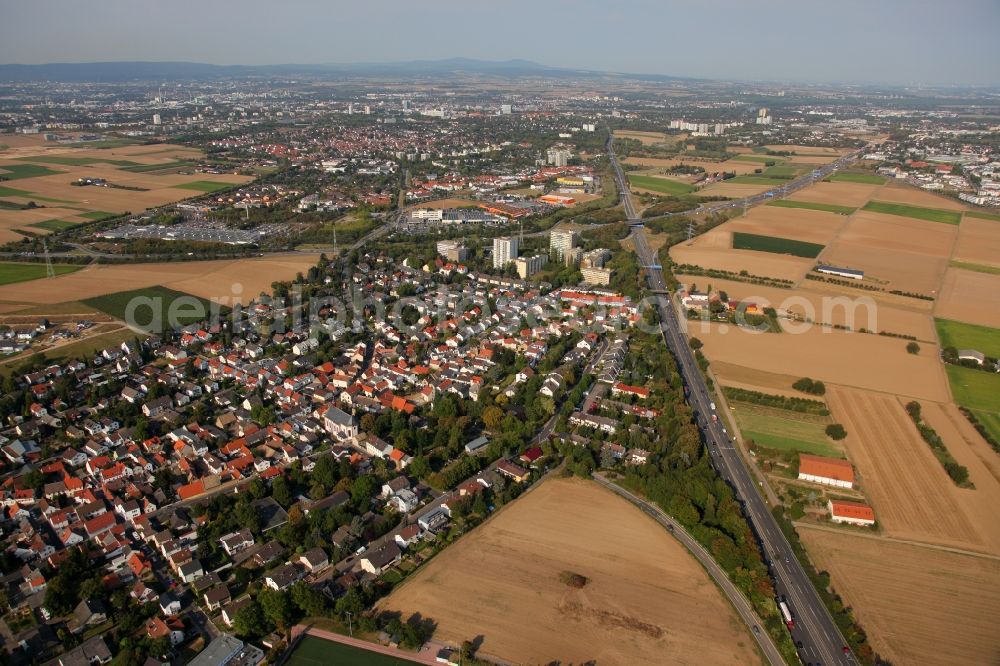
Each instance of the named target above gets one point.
<point>816,635</point>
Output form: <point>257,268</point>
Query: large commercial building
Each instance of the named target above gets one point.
<point>504,250</point>
<point>528,266</point>
<point>561,241</point>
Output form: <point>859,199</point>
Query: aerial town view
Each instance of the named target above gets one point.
<point>544,333</point>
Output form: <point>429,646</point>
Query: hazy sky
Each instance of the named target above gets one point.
<point>899,41</point>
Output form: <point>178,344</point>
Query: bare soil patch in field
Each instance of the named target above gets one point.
<point>872,362</point>
<point>913,497</point>
<point>646,597</point>
<point>841,194</point>
<point>970,296</point>
<point>208,279</point>
<point>919,605</point>
<point>895,192</point>
<point>978,241</point>
<point>799,224</point>
<point>737,166</point>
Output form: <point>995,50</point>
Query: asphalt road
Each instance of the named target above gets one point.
<point>736,598</point>
<point>821,640</point>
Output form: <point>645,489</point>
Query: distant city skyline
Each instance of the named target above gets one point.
<point>890,41</point>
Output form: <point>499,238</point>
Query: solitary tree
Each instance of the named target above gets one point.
<point>913,348</point>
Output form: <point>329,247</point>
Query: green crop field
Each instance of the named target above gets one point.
<point>852,177</point>
<point>929,214</point>
<point>313,651</point>
<point>960,335</point>
<point>18,171</point>
<point>990,421</point>
<point>760,158</point>
<point>975,389</point>
<point>141,168</point>
<point>982,216</point>
<point>11,272</point>
<point>979,268</point>
<point>776,245</point>
<point>754,180</point>
<point>780,172</point>
<point>98,214</point>
<point>775,432</point>
<point>12,192</point>
<point>117,304</point>
<point>67,160</point>
<point>203,186</point>
<point>661,185</point>
<point>55,225</point>
<point>808,205</point>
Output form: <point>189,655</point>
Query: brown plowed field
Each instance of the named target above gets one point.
<point>912,495</point>
<point>919,605</point>
<point>647,600</point>
<point>970,296</point>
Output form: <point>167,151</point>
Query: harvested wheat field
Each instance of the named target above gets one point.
<point>978,241</point>
<point>836,308</point>
<point>647,138</point>
<point>647,603</point>
<point>902,234</point>
<point>970,449</point>
<point>740,167</point>
<point>711,253</point>
<point>971,297</point>
<point>808,150</point>
<point>918,605</point>
<point>908,487</point>
<point>902,193</point>
<point>796,223</point>
<point>740,376</point>
<point>872,362</point>
<point>452,202</point>
<point>840,194</point>
<point>915,272</point>
<point>208,279</point>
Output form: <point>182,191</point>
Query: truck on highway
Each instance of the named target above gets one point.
<point>712,405</point>
<point>786,614</point>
